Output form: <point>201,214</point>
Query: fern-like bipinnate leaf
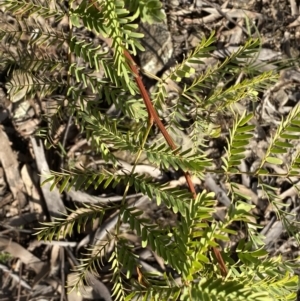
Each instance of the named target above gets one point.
<point>239,135</point>
<point>287,132</point>
<point>193,271</point>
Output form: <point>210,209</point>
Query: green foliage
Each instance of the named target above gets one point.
<point>148,10</point>
<point>185,247</point>
<point>282,141</point>
<point>240,134</point>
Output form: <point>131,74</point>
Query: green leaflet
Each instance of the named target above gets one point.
<point>98,78</point>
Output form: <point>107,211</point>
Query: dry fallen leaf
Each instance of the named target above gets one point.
<point>10,166</point>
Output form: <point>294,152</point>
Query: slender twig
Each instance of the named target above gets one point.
<point>149,126</point>
<point>62,273</point>
<point>154,118</point>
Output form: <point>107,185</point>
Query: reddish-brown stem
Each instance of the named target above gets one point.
<point>153,117</point>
